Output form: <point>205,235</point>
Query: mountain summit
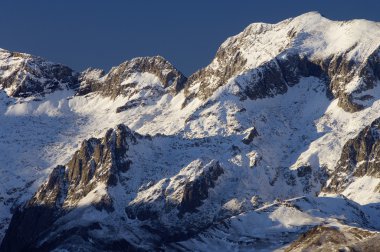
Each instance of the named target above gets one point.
<point>273,146</point>
<point>345,54</point>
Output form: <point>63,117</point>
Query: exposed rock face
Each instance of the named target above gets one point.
<point>97,162</point>
<point>310,180</point>
<point>181,194</point>
<point>261,70</point>
<point>22,75</point>
<point>203,76</point>
<point>323,238</point>
<point>231,232</point>
<point>251,134</point>
<point>90,81</point>
<point>360,157</point>
<point>85,181</point>
<point>267,80</point>
<point>123,80</point>
<point>345,71</point>
<point>195,191</point>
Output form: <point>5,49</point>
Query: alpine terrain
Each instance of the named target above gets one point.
<point>275,145</point>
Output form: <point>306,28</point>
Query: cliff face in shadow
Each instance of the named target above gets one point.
<point>97,162</point>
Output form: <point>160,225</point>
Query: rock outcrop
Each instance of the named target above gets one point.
<point>195,191</point>
<point>265,59</point>
<point>251,133</point>
<point>23,75</point>
<point>172,205</point>
<point>97,163</point>
<point>325,238</point>
<point>360,157</point>
<point>123,79</point>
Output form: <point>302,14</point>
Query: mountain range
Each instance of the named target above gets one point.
<point>274,146</point>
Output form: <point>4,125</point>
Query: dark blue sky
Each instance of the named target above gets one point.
<point>102,34</point>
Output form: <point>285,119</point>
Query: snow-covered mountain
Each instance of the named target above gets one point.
<point>273,146</point>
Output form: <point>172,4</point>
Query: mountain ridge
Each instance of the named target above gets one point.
<point>251,140</point>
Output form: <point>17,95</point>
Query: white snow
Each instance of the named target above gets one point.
<point>94,196</point>
<point>304,125</point>
<point>289,217</point>
<point>299,128</point>
<point>363,190</point>
<point>269,228</point>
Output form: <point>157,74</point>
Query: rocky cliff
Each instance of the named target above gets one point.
<point>22,75</point>
<point>92,169</point>
<point>359,158</point>
<point>265,59</point>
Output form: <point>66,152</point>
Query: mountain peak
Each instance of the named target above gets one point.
<point>22,75</point>
<point>137,79</point>
<point>309,15</point>
<point>156,65</point>
<point>342,53</point>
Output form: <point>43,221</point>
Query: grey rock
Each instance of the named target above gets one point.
<point>196,191</point>
<point>95,80</point>
<point>34,75</point>
<point>251,134</point>
<point>360,157</point>
<point>325,238</point>
<point>97,160</point>
<point>276,75</point>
